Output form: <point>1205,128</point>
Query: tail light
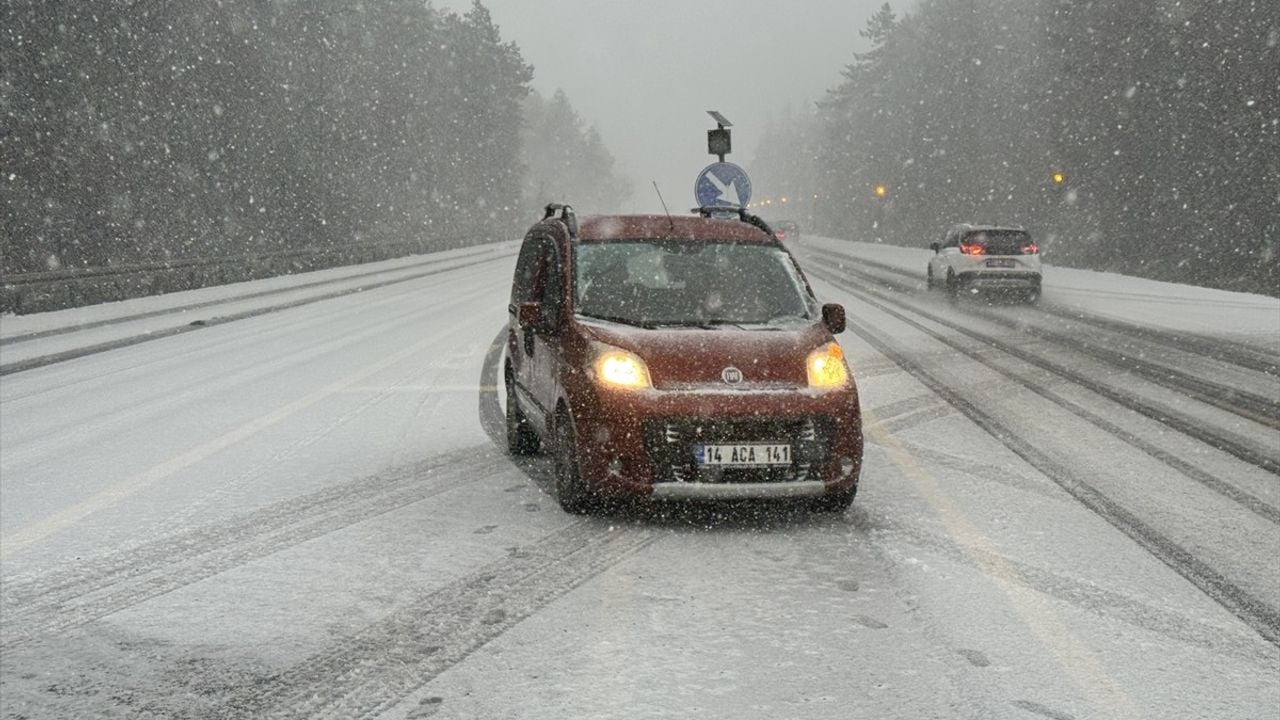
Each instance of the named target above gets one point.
<point>1030,249</point>
<point>972,249</point>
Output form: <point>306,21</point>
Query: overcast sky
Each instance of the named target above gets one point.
<point>645,72</point>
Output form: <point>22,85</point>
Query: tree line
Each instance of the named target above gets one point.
<point>141,131</point>
<point>1137,136</point>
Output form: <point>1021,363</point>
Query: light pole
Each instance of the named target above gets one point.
<point>881,193</point>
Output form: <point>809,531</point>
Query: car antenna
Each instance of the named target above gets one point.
<point>664,206</point>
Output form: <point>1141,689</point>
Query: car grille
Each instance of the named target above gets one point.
<point>670,445</point>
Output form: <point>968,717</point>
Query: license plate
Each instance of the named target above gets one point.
<point>1000,263</point>
<point>743,454</point>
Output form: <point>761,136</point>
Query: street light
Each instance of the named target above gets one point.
<point>1059,177</point>
<point>881,191</point>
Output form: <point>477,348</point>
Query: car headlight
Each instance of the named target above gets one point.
<point>826,367</point>
<point>622,369</point>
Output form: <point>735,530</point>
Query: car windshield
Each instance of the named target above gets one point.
<point>645,282</point>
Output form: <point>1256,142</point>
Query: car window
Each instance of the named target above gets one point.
<point>671,283</point>
<point>999,242</point>
<point>550,281</point>
<point>526,269</point>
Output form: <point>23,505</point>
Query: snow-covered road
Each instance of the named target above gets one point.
<point>297,505</point>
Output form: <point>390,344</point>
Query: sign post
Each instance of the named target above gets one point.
<point>721,185</point>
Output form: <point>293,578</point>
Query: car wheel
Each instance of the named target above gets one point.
<point>1032,296</point>
<point>929,282</point>
<point>952,284</point>
<point>834,502</point>
<point>521,439</point>
<point>571,492</point>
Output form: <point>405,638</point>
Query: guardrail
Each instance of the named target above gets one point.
<point>24,293</point>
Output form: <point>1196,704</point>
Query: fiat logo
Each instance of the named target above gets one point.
<point>731,375</point>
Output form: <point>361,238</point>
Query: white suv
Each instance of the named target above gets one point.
<point>980,259</point>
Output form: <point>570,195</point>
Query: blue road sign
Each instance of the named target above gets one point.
<point>722,183</point>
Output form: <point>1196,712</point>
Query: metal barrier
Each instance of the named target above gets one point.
<point>24,293</point>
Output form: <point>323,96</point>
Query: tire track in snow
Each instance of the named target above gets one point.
<point>1254,611</point>
<point>1233,399</point>
<point>492,419</point>
<point>1184,425</point>
<point>47,603</point>
<point>373,670</point>
<point>890,534</point>
<point>1225,350</point>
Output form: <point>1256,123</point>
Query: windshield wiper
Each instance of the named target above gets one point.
<point>774,323</point>
<point>646,324</point>
<point>786,317</point>
<point>701,323</point>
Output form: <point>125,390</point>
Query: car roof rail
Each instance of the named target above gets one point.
<point>741,212</point>
<point>567,216</point>
<point>711,210</point>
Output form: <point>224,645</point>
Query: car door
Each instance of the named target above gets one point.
<point>534,348</point>
<point>948,254</point>
<point>547,353</point>
<point>938,261</point>
<point>521,340</point>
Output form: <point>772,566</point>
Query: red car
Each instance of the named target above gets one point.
<point>680,358</point>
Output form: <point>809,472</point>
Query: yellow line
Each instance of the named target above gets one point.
<point>1071,654</point>
<point>115,493</point>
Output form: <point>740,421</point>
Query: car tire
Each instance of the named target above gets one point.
<point>571,491</point>
<point>1031,296</point>
<point>834,502</point>
<point>521,438</point>
<point>952,284</point>
<point>929,282</point>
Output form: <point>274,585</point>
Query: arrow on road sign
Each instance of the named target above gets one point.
<point>728,193</point>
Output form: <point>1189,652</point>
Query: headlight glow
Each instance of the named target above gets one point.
<point>826,367</point>
<point>620,368</point>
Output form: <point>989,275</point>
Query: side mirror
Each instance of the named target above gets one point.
<point>933,246</point>
<point>833,317</point>
<point>529,315</point>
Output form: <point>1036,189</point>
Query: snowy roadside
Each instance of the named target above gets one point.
<point>266,292</point>
<point>1242,317</point>
<point>28,341</point>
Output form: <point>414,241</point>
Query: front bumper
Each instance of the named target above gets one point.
<point>641,444</point>
<point>737,491</point>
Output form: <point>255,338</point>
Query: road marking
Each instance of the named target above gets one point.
<point>1082,665</point>
<point>119,491</point>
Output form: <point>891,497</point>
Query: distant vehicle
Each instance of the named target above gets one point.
<point>677,358</point>
<point>785,229</point>
<point>976,259</point>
